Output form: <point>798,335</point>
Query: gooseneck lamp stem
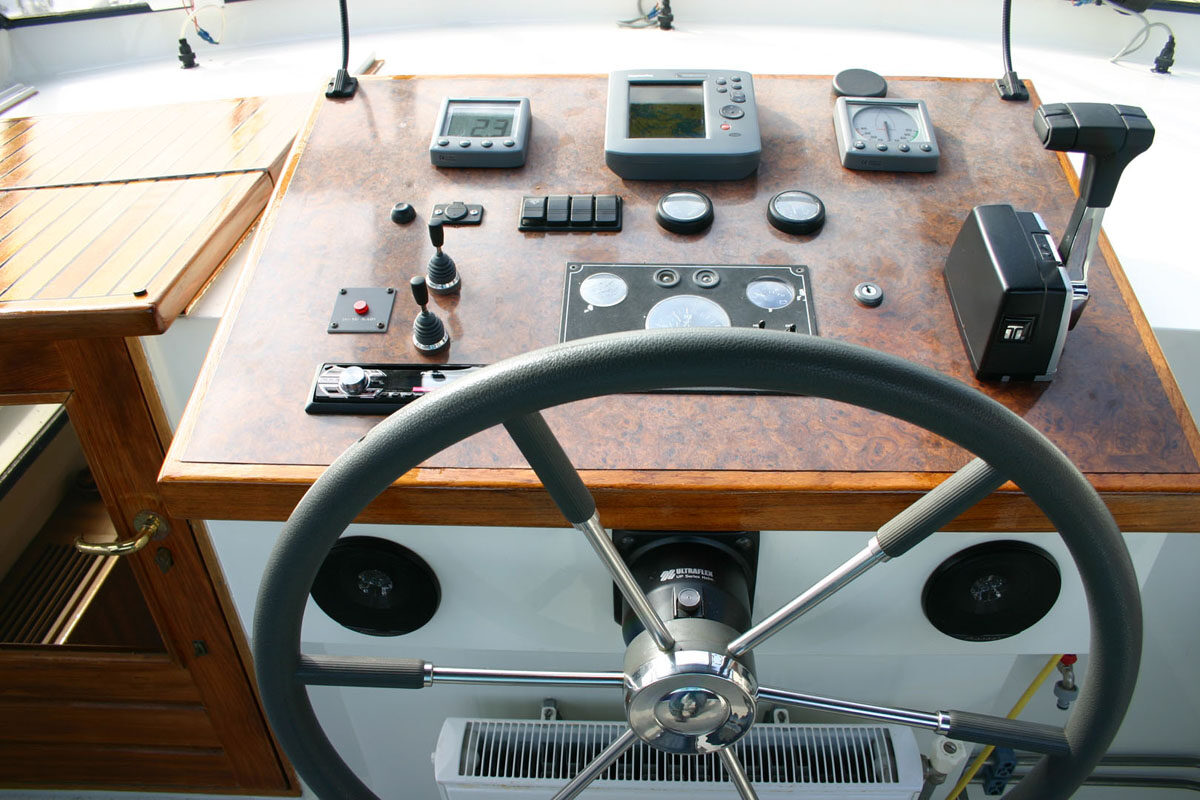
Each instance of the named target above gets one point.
<point>343,83</point>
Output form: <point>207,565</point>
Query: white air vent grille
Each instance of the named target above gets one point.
<point>771,754</point>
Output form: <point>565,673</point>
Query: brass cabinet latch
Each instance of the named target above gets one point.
<point>148,525</point>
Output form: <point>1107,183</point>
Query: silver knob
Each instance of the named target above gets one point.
<point>353,380</point>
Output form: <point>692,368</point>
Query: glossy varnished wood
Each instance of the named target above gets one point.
<point>169,193</point>
<point>116,259</point>
<point>205,138</point>
<point>121,441</point>
<point>656,459</point>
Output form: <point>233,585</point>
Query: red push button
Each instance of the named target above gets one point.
<point>724,126</point>
<point>361,307</point>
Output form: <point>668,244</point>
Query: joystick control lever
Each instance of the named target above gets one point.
<point>429,334</point>
<point>442,275</point>
<point>1110,136</point>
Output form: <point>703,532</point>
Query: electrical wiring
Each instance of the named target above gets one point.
<point>193,16</point>
<point>1139,39</point>
<point>645,19</point>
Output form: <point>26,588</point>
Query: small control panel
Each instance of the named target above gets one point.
<point>603,298</point>
<point>362,310</point>
<point>481,132</point>
<point>570,213</point>
<point>377,388</point>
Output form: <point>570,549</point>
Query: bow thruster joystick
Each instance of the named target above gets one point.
<point>429,334</point>
<point>442,275</point>
<point>1110,136</point>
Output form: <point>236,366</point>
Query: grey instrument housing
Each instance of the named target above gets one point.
<point>719,155</point>
<point>892,159</point>
<point>505,150</point>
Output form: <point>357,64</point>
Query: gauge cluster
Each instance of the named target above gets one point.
<point>885,134</point>
<point>605,298</point>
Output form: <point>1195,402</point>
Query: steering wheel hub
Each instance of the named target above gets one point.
<point>689,701</point>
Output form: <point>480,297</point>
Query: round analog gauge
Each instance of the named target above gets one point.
<point>684,211</point>
<point>687,311</point>
<point>885,124</point>
<point>603,289</point>
<point>770,293</point>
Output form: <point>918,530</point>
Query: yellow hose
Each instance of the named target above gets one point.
<point>1019,706</point>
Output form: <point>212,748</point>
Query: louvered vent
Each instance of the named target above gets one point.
<point>46,603</point>
<point>520,753</point>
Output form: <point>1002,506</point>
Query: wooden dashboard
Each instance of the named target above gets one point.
<point>246,449</point>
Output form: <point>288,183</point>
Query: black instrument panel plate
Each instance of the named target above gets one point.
<point>646,287</point>
<point>601,298</point>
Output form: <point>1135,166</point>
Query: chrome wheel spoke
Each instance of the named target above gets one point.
<point>965,725</point>
<point>737,774</point>
<point>413,673</point>
<point>806,601</point>
<point>542,450</point>
<point>598,764</point>
<point>937,507</point>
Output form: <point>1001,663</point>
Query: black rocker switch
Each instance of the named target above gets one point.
<point>429,334</point>
<point>442,275</point>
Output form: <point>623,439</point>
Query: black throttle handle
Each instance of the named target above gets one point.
<point>1110,135</point>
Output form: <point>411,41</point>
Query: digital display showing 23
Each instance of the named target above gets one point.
<point>478,122</point>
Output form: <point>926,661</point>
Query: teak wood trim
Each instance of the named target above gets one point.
<point>167,293</point>
<point>662,500</point>
<point>121,442</point>
<point>30,368</point>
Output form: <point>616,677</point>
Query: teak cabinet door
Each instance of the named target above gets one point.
<point>158,692</point>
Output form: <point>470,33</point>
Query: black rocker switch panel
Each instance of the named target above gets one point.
<point>570,213</point>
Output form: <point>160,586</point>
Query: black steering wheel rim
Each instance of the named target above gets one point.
<point>646,360</point>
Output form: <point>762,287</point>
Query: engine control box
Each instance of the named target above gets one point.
<point>1010,293</point>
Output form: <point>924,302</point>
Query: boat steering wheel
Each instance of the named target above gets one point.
<point>713,662</point>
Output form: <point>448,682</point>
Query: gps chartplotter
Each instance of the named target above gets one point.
<point>681,125</point>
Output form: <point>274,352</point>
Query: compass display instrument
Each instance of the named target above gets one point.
<point>885,134</point>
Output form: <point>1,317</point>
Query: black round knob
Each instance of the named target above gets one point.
<point>403,213</point>
<point>859,83</point>
<point>795,211</point>
<point>684,211</point>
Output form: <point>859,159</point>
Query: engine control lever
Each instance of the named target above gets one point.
<point>429,334</point>
<point>442,275</point>
<point>1110,136</point>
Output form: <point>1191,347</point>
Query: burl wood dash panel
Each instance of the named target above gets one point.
<point>1107,408</point>
<point>203,138</point>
